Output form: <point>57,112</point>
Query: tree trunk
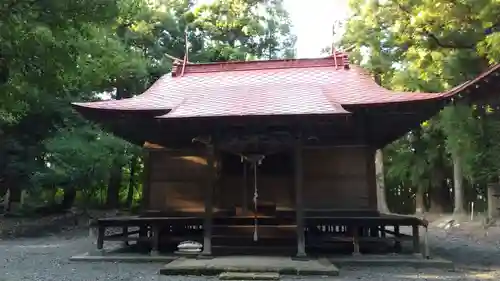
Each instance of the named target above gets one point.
<point>493,200</point>
<point>439,197</point>
<point>68,198</point>
<point>439,194</point>
<point>52,196</point>
<point>3,188</point>
<point>6,200</point>
<point>114,183</point>
<point>419,200</point>
<point>13,197</point>
<point>458,186</point>
<point>24,195</point>
<point>379,173</point>
<point>132,181</point>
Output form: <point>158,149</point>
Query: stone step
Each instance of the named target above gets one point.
<point>249,276</point>
<point>283,265</point>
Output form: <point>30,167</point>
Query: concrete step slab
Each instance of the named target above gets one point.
<point>249,276</point>
<point>249,264</point>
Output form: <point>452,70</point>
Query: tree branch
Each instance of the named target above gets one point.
<point>448,45</point>
<point>438,41</point>
<point>175,59</point>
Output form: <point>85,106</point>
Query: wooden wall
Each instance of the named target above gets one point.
<point>177,180</point>
<point>334,178</point>
<point>339,178</point>
<point>271,190</point>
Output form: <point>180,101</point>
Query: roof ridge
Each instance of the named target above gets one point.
<point>339,60</point>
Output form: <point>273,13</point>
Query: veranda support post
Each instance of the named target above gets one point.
<point>299,206</point>
<point>208,215</point>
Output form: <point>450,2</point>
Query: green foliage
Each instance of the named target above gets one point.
<point>80,157</point>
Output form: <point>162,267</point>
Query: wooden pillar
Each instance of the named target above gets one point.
<point>416,238</point>
<point>355,240</point>
<point>397,239</point>
<point>244,204</point>
<point>426,253</point>
<point>146,180</point>
<point>143,235</point>
<point>299,204</point>
<point>155,239</point>
<point>100,237</point>
<point>146,190</point>
<point>382,231</point>
<point>125,235</point>
<point>209,189</point>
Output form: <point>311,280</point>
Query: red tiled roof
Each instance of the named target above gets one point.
<point>275,87</point>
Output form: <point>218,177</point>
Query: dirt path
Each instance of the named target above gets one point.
<point>47,259</point>
<point>469,245</point>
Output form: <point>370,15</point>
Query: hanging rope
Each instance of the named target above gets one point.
<point>255,197</point>
<point>254,160</point>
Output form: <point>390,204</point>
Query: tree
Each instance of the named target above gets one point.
<point>415,48</point>
<point>52,53</point>
<point>379,167</point>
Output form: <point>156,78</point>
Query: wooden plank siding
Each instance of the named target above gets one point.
<point>339,178</point>
<point>271,190</point>
<point>334,178</point>
<point>177,181</point>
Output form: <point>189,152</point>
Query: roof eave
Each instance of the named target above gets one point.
<point>470,91</point>
<point>305,115</point>
<point>86,108</point>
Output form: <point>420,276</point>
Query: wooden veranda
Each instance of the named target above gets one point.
<point>324,233</point>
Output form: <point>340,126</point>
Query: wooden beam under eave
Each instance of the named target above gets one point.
<point>390,132</point>
<point>150,145</point>
<point>388,128</point>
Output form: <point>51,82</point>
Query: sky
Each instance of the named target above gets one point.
<point>312,22</point>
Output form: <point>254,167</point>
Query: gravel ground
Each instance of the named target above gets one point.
<point>47,259</point>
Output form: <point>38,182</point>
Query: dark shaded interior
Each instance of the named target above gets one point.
<point>277,164</point>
